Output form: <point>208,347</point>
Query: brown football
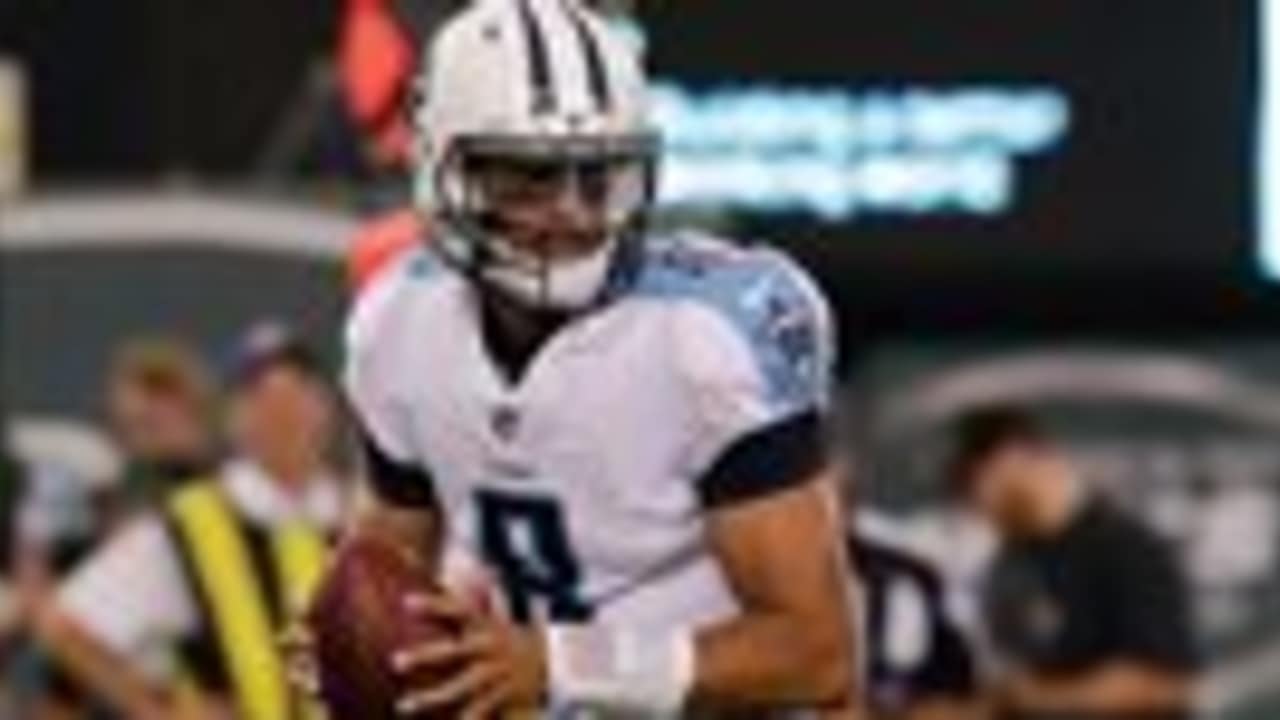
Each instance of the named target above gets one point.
<point>358,620</point>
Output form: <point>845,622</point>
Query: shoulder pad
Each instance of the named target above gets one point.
<point>377,304</point>
<point>765,299</point>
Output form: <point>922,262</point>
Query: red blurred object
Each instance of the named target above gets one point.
<point>376,61</point>
<point>379,242</point>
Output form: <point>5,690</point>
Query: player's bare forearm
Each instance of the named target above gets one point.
<point>108,676</point>
<point>793,643</point>
<point>1118,686</point>
<point>771,659</point>
<point>949,709</point>
<point>849,709</point>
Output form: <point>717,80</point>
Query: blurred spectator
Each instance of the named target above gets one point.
<point>918,663</point>
<point>1086,607</point>
<point>61,517</point>
<point>180,611</point>
<point>160,402</point>
<point>56,511</point>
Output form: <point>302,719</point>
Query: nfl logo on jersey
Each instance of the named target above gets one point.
<point>505,421</point>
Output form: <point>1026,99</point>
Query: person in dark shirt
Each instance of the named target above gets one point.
<point>1086,607</point>
<point>918,664</point>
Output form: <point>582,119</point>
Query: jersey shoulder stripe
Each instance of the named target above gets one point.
<point>766,300</point>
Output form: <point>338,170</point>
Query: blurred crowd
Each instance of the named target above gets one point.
<point>163,592</point>
<point>99,571</point>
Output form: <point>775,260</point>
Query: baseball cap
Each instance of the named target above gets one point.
<point>268,344</point>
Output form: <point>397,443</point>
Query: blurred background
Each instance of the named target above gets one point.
<point>1068,205</point>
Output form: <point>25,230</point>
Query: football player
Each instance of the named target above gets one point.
<point>626,430</point>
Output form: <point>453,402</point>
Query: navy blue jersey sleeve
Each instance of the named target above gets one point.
<point>782,455</point>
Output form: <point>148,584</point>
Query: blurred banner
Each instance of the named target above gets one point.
<point>1187,436</point>
<point>971,133</point>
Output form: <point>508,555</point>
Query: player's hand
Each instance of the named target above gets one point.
<point>492,667</point>
<point>298,650</point>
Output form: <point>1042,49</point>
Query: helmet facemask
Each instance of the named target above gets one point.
<point>551,222</point>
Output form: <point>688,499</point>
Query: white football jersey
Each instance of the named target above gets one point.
<point>578,484</point>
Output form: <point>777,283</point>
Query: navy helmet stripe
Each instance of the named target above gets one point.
<point>596,74</point>
<point>544,100</point>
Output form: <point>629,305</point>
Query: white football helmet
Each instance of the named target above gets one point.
<point>545,82</point>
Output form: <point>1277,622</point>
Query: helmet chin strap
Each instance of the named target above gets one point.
<point>563,285</point>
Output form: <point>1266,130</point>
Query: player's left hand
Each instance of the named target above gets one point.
<point>496,665</point>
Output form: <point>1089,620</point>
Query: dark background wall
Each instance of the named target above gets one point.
<point>62,312</point>
<point>140,87</point>
<point>1141,221</point>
